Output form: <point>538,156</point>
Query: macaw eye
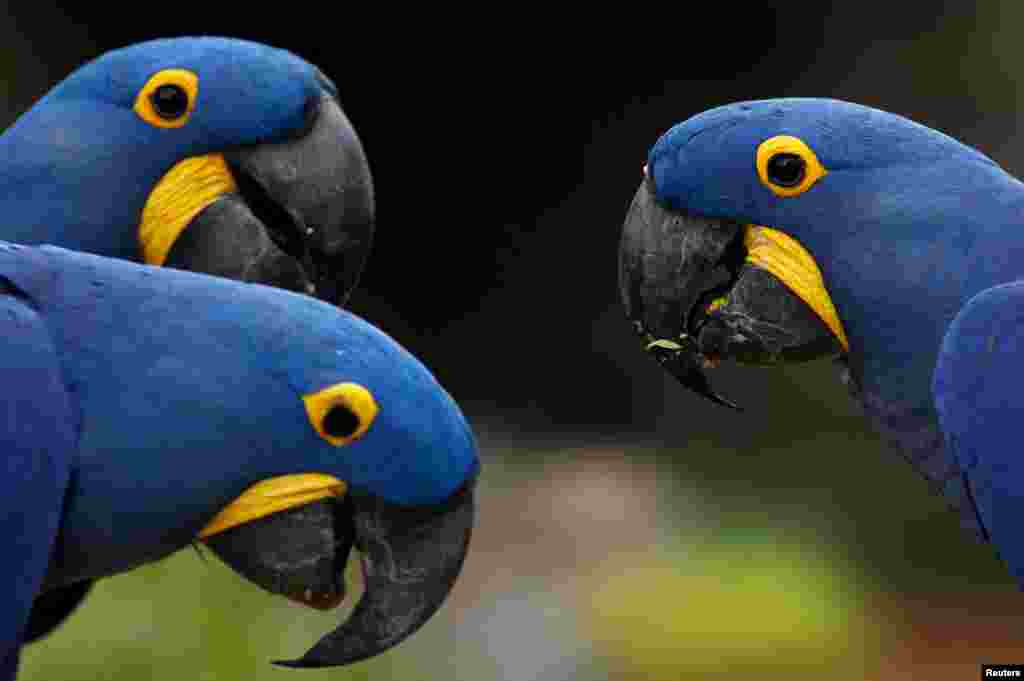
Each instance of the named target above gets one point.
<point>169,101</point>
<point>787,166</point>
<point>786,170</point>
<point>342,412</point>
<point>168,98</point>
<point>340,421</point>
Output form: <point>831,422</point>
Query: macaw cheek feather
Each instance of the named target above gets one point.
<point>790,263</point>
<point>185,191</point>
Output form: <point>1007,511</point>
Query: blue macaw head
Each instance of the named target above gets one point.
<point>212,154</point>
<point>795,228</point>
<point>206,408</point>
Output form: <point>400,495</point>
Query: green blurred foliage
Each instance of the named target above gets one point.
<point>776,610</point>
<point>182,618</point>
<point>729,568</point>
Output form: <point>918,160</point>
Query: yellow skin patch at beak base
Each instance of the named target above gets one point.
<point>791,264</point>
<point>273,495</point>
<point>186,189</point>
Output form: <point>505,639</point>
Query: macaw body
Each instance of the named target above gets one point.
<point>142,402</point>
<point>259,177</point>
<point>906,243</point>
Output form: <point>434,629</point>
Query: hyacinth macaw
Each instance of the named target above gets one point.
<point>211,154</point>
<point>149,406</point>
<point>779,230</point>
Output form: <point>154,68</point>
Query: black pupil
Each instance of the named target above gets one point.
<point>170,101</point>
<point>340,421</point>
<point>786,170</point>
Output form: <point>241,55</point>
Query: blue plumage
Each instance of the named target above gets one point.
<point>38,428</point>
<point>906,226</point>
<point>162,395</point>
<point>976,380</point>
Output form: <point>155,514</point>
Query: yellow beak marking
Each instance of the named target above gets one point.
<point>184,192</point>
<point>273,495</point>
<point>790,262</point>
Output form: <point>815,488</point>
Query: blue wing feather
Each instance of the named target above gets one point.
<point>37,436</point>
<point>977,388</point>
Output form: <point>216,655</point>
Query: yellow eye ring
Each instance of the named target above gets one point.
<point>342,412</point>
<point>168,98</point>
<point>787,166</point>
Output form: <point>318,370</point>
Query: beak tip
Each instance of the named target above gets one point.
<point>411,560</point>
<point>732,405</point>
<point>338,653</point>
<point>296,664</point>
<point>305,663</point>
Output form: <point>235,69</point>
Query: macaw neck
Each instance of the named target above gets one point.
<point>76,176</point>
<point>898,281</point>
<point>153,463</point>
<point>899,277</point>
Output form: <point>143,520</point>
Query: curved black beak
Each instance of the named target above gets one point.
<point>666,265</point>
<point>694,299</point>
<point>302,218</point>
<point>411,557</point>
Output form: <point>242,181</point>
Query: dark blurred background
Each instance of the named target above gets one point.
<point>506,143</point>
